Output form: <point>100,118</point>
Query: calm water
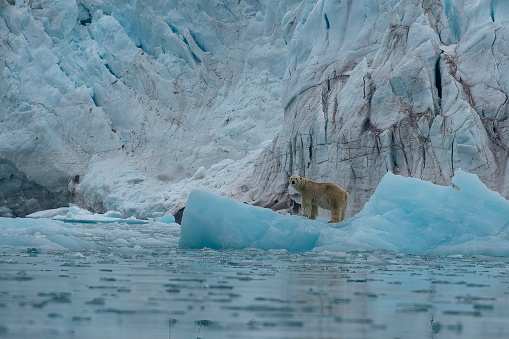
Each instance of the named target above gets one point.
<point>158,291</point>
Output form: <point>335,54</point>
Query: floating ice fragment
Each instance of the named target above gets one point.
<point>166,219</point>
<point>404,214</point>
<point>74,213</point>
<point>49,213</point>
<point>217,222</point>
<point>112,214</point>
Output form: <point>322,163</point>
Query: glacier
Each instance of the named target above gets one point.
<point>130,106</point>
<point>147,94</point>
<point>413,87</point>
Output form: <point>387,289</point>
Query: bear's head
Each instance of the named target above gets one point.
<point>295,181</point>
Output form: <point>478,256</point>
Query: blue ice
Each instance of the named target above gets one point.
<point>407,215</point>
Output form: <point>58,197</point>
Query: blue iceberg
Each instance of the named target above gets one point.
<point>407,215</point>
<point>217,222</point>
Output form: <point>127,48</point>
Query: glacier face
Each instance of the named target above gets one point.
<point>114,93</point>
<point>129,105</point>
<point>418,88</point>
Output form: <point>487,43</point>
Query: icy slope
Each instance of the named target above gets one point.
<point>92,89</point>
<point>408,215</point>
<point>416,88</point>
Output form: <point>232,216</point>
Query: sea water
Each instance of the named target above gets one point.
<point>144,286</point>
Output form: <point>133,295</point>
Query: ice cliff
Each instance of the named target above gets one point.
<point>116,102</point>
<point>418,88</point>
<point>129,105</point>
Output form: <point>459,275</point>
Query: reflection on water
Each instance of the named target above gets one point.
<point>168,293</point>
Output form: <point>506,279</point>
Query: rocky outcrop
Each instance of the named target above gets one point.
<point>418,89</point>
<point>20,196</point>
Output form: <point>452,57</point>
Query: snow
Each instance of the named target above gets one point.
<point>407,215</point>
<point>123,108</point>
<point>416,88</point>
<point>125,190</point>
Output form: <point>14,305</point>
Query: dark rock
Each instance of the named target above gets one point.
<point>20,196</point>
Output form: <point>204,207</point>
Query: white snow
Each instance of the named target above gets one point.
<point>125,190</point>
<point>130,107</point>
<point>125,107</point>
<point>418,88</point>
<point>405,214</point>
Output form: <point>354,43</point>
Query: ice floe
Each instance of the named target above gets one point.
<point>404,214</point>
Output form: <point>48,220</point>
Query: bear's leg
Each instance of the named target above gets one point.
<point>335,213</point>
<point>343,213</point>
<point>314,212</point>
<point>306,208</point>
<point>343,209</point>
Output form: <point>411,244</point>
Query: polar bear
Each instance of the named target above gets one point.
<point>325,195</point>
